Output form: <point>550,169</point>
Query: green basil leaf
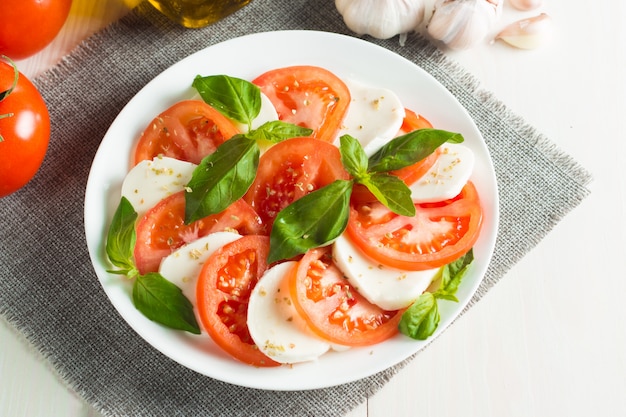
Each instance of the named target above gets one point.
<point>421,319</point>
<point>221,178</point>
<point>408,149</point>
<point>451,276</point>
<point>392,192</point>
<point>235,98</point>
<point>353,157</point>
<point>276,131</point>
<point>312,221</point>
<point>121,238</point>
<point>163,302</point>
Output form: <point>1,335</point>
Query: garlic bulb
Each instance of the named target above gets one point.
<point>527,33</point>
<point>526,5</point>
<point>381,19</point>
<point>461,24</point>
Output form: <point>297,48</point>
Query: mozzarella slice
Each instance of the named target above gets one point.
<point>149,182</point>
<point>388,288</point>
<point>447,176</point>
<point>374,116</point>
<point>274,323</point>
<point>183,266</point>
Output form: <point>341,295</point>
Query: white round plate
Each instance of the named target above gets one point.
<point>248,57</point>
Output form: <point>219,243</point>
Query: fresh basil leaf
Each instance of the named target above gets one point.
<point>353,157</point>
<point>235,98</point>
<point>392,192</point>
<point>221,178</point>
<point>451,276</point>
<point>276,131</point>
<point>421,319</point>
<point>408,149</point>
<point>121,238</point>
<point>163,302</point>
<point>311,221</point>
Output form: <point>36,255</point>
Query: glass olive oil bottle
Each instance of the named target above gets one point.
<point>197,13</point>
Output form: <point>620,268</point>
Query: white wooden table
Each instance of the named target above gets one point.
<point>550,338</point>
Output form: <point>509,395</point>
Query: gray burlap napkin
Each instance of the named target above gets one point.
<point>49,292</point>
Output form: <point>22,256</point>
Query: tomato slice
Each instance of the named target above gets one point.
<point>162,229</point>
<point>223,293</point>
<point>288,171</point>
<point>332,308</point>
<point>307,96</point>
<point>413,121</point>
<point>438,234</point>
<point>189,131</point>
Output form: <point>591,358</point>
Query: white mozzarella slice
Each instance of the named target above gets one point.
<point>149,182</point>
<point>447,176</point>
<point>183,266</point>
<point>388,288</point>
<point>374,116</point>
<point>274,323</point>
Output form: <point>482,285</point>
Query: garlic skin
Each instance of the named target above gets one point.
<point>461,24</point>
<point>527,33</point>
<point>526,5</point>
<point>382,19</point>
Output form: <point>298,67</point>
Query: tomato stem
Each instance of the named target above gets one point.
<point>16,77</point>
<point>5,94</point>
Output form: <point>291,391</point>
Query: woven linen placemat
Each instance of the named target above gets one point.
<point>51,295</point>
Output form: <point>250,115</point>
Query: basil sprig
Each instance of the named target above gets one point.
<point>235,98</point>
<point>388,189</point>
<point>154,296</point>
<point>224,176</point>
<point>311,221</point>
<point>321,216</point>
<point>408,149</point>
<point>121,239</point>
<point>163,302</point>
<point>221,178</point>
<point>421,319</point>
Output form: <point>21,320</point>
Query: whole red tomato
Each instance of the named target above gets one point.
<point>27,26</point>
<point>24,129</point>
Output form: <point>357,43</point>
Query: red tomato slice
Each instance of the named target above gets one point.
<point>413,121</point>
<point>189,130</point>
<point>307,96</point>
<point>290,170</point>
<point>162,229</point>
<point>223,293</point>
<point>332,308</point>
<point>438,234</point>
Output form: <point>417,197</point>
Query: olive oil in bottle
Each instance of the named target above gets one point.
<point>197,13</point>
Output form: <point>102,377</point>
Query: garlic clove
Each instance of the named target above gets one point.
<point>526,5</point>
<point>381,19</point>
<point>461,24</point>
<point>527,33</point>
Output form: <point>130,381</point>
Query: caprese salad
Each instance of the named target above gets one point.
<point>294,214</point>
